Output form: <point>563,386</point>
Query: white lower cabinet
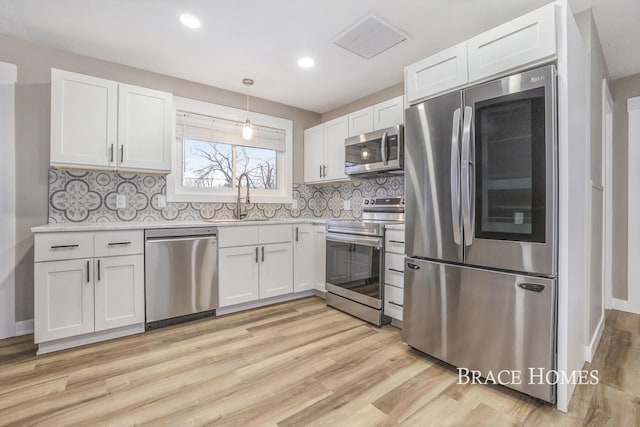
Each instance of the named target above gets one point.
<point>63,299</point>
<point>238,275</point>
<point>250,273</point>
<point>86,296</point>
<point>303,257</point>
<point>119,291</point>
<point>320,273</point>
<point>394,273</point>
<point>276,270</point>
<point>255,262</point>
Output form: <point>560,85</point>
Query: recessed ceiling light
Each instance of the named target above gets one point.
<point>189,20</point>
<point>306,62</point>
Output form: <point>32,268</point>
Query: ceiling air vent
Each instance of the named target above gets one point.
<point>368,37</point>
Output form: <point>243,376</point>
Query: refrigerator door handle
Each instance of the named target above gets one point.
<point>455,176</point>
<point>466,175</point>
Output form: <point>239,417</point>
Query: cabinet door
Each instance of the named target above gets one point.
<point>320,272</point>
<point>238,275</point>
<point>119,291</point>
<point>303,257</point>
<point>439,73</point>
<point>361,121</point>
<point>63,299</point>
<point>145,129</point>
<point>335,132</point>
<point>276,270</point>
<point>313,154</point>
<point>84,121</point>
<point>519,43</point>
<point>388,113</point>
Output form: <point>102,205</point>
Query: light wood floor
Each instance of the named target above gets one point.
<point>294,364</point>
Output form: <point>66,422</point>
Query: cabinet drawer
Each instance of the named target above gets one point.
<point>61,246</point>
<point>239,236</point>
<point>275,234</point>
<point>393,301</point>
<point>113,243</point>
<point>394,270</point>
<point>394,241</point>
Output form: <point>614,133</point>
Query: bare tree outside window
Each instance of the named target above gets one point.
<point>210,165</point>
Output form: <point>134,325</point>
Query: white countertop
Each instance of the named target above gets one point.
<point>394,226</point>
<point>109,226</point>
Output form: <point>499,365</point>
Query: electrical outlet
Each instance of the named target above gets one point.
<point>121,202</point>
<point>162,201</point>
<point>294,204</point>
<point>347,205</point>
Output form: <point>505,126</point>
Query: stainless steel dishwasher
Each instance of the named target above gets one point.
<point>181,275</point>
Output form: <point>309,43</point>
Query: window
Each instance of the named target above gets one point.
<point>210,155</point>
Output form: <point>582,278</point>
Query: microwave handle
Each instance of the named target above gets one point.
<point>383,149</point>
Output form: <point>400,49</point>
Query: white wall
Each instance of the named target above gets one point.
<point>633,225</point>
<point>7,199</point>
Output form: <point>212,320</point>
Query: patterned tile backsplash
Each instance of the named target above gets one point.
<point>78,196</point>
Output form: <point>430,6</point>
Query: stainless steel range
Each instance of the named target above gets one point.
<point>355,259</point>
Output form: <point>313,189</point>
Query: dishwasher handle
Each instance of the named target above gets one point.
<point>181,239</point>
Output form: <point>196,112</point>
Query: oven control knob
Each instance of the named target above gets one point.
<point>373,201</point>
<point>366,201</point>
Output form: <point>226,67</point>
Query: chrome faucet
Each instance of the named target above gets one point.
<point>239,214</point>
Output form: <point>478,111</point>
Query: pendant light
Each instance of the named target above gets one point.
<point>247,128</point>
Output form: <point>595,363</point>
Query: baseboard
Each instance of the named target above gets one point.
<point>623,305</point>
<point>590,350</point>
<point>263,302</point>
<point>24,327</point>
<point>65,343</point>
<point>320,294</point>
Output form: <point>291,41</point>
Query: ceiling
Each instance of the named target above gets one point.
<point>264,39</point>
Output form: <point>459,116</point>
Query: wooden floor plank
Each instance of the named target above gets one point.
<point>291,364</point>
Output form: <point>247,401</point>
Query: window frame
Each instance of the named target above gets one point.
<point>176,192</point>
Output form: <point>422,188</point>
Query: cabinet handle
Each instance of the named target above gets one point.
<point>122,154</point>
<point>320,171</point>
<point>397,271</point>
<point>98,270</point>
<point>324,171</point>
<point>88,277</point>
<point>120,244</point>
<point>256,254</point>
<point>396,304</point>
<point>396,241</point>
<point>111,154</point>
<point>297,234</point>
<point>64,246</point>
<point>263,254</point>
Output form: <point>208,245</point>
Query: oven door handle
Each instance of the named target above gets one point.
<point>374,242</point>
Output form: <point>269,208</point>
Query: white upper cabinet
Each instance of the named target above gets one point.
<point>144,128</point>
<point>439,73</point>
<point>388,113</point>
<point>313,153</point>
<point>105,125</point>
<point>84,120</point>
<point>524,41</point>
<point>521,43</point>
<point>361,121</point>
<point>335,132</point>
<point>324,151</point>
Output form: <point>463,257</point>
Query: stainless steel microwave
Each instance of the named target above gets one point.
<point>376,152</point>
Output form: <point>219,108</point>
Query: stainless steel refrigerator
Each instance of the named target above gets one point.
<point>481,229</point>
